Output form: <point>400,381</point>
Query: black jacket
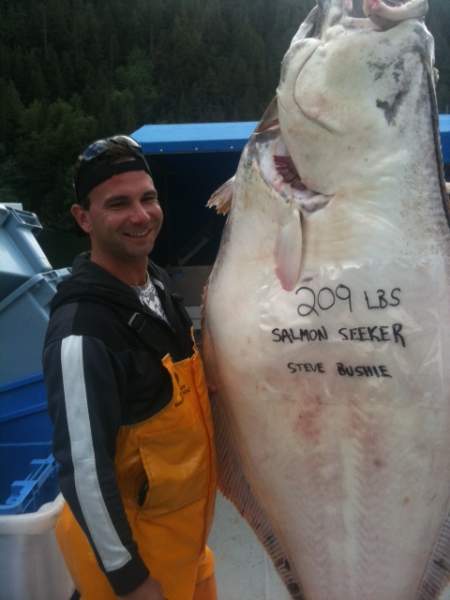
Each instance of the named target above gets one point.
<point>102,372</point>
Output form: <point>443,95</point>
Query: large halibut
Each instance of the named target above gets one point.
<point>327,315</point>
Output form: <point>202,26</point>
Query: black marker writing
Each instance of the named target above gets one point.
<point>292,335</point>
<point>306,367</point>
<point>382,300</point>
<point>323,300</point>
<point>362,370</point>
<point>375,333</point>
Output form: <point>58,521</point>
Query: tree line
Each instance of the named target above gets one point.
<point>75,70</point>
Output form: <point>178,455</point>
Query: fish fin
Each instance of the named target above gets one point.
<point>222,198</point>
<point>235,487</point>
<point>436,579</point>
<point>288,251</point>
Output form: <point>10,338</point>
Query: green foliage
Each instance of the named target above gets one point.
<point>74,70</point>
<point>49,139</point>
<point>11,109</point>
<point>11,181</point>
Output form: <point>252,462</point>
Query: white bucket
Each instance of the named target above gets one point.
<point>31,565</point>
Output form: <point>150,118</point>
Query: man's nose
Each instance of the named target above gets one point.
<point>140,214</point>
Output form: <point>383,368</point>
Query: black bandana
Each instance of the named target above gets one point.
<point>89,178</point>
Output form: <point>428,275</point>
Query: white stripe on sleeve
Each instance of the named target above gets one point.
<point>112,552</point>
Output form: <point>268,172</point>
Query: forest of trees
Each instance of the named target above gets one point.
<point>74,70</point>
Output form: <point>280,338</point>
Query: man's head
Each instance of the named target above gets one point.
<point>104,158</point>
<point>117,203</point>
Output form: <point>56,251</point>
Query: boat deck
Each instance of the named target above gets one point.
<point>243,570</point>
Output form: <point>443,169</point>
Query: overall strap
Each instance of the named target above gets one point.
<point>139,323</point>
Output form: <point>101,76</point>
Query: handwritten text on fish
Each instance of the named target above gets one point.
<point>326,298</point>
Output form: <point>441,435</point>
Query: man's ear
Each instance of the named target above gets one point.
<point>81,216</point>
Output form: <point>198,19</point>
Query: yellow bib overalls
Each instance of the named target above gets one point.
<point>173,452</point>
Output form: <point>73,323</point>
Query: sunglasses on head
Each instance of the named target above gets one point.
<point>99,147</point>
<point>91,172</point>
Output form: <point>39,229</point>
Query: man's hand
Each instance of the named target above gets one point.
<point>149,590</point>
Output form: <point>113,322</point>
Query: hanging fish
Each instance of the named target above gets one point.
<point>327,314</point>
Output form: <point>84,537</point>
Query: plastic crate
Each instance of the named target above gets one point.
<point>21,255</point>
<point>29,477</point>
<point>23,411</point>
<point>24,316</point>
<point>28,474</point>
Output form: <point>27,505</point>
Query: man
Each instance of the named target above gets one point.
<point>127,396</point>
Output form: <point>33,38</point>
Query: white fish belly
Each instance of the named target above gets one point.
<point>338,393</point>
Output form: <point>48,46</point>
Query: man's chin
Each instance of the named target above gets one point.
<point>136,254</point>
<point>130,255</point>
<point>139,247</point>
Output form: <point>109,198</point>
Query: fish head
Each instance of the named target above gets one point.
<point>348,90</point>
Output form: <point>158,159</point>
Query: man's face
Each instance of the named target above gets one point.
<point>124,217</point>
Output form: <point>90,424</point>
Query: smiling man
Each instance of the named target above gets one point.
<point>128,400</point>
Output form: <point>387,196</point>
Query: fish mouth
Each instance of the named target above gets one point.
<point>280,173</point>
<point>288,172</point>
<point>388,13</point>
<point>383,13</point>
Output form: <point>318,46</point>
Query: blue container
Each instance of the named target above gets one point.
<point>24,316</point>
<point>444,123</point>
<point>28,477</point>
<point>28,472</point>
<point>21,254</point>
<point>23,412</point>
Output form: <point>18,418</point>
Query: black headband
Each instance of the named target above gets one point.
<point>89,178</point>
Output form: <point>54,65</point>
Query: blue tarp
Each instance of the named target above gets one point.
<point>444,126</point>
<point>194,137</point>
<point>222,137</point>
